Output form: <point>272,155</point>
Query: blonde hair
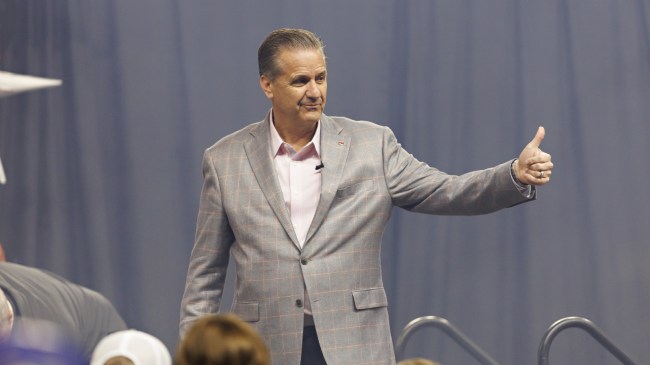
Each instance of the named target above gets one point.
<point>119,360</point>
<point>222,339</point>
<point>417,361</point>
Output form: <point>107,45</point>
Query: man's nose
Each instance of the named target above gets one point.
<point>313,91</point>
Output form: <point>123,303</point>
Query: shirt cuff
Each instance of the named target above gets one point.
<point>525,190</point>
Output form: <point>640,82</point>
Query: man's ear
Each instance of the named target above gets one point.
<point>265,84</point>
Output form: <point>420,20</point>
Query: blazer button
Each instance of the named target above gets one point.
<point>304,261</point>
<point>299,303</point>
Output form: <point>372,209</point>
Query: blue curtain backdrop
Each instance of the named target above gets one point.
<point>104,172</point>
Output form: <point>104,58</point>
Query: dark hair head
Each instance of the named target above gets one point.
<point>281,39</point>
<point>222,339</point>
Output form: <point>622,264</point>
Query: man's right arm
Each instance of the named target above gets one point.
<point>209,260</point>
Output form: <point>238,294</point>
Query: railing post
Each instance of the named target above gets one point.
<point>450,330</point>
<point>586,325</point>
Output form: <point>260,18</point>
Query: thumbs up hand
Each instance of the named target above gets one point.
<point>534,166</point>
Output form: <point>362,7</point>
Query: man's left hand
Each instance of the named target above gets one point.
<point>534,166</point>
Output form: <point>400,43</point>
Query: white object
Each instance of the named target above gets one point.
<point>11,83</point>
<point>139,347</point>
<point>3,177</point>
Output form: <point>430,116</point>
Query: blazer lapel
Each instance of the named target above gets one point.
<point>258,150</point>
<point>334,151</point>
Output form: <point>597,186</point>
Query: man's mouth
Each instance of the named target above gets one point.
<point>311,106</point>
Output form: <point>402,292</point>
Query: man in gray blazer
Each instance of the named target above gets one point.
<point>301,199</point>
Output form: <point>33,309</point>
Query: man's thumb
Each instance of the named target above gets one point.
<point>539,137</point>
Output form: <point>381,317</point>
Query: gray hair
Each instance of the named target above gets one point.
<point>284,38</point>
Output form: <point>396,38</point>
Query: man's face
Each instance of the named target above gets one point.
<point>299,91</point>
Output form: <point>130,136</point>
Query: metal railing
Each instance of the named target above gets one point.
<point>450,330</point>
<point>589,327</point>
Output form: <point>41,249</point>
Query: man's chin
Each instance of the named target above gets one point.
<point>313,115</point>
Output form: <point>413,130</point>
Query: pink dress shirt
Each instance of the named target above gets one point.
<point>300,182</point>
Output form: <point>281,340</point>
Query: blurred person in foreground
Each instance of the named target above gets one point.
<point>222,339</point>
<point>30,293</point>
<point>300,200</point>
<point>39,342</point>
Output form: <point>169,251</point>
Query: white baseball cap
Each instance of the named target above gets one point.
<point>139,347</point>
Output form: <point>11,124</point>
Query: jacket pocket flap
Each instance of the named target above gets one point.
<point>358,187</point>
<point>249,312</point>
<point>369,298</point>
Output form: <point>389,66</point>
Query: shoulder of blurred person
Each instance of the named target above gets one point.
<point>222,339</point>
<point>38,294</point>
<point>35,341</point>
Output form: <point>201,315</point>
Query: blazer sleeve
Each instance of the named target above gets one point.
<point>211,252</point>
<point>415,186</point>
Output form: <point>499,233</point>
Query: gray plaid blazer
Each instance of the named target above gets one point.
<point>242,213</point>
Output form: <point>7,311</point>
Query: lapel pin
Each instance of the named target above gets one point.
<point>341,143</point>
